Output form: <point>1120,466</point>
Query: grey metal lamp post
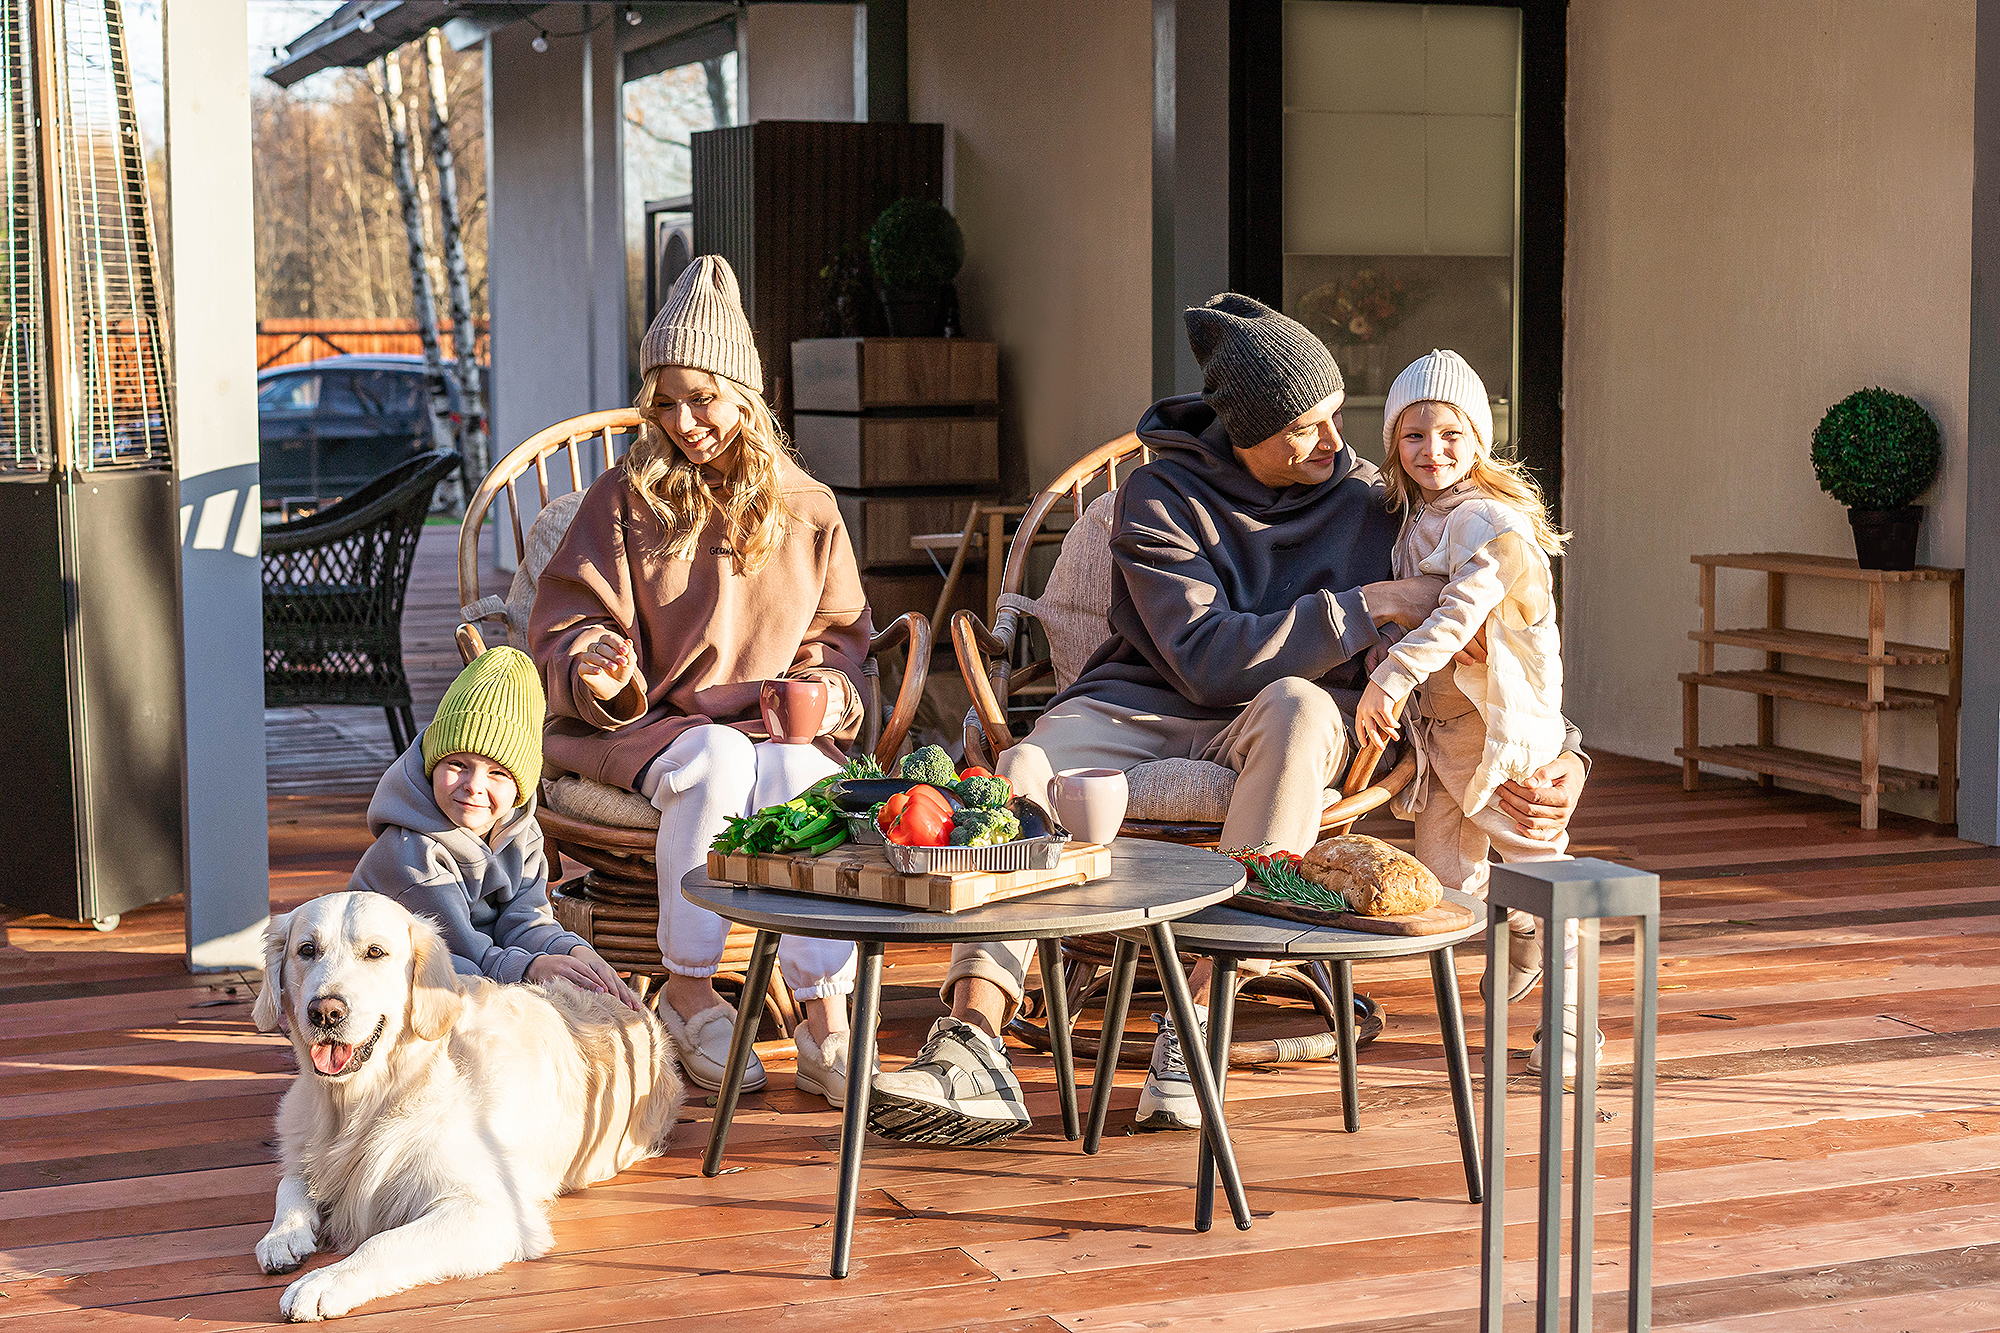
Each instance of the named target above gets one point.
<point>1585,891</point>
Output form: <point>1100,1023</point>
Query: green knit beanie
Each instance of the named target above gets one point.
<point>495,709</point>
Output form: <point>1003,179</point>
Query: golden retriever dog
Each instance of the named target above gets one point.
<point>435,1116</point>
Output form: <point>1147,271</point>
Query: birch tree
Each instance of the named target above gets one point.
<point>385,75</point>
<point>472,436</point>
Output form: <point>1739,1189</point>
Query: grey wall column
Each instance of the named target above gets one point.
<point>215,399</point>
<point>1190,176</point>
<point>555,232</point>
<point>1979,720</point>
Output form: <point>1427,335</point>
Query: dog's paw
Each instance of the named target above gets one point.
<point>325,1293</point>
<point>282,1251</point>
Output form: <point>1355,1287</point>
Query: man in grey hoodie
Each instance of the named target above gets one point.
<point>1251,580</point>
<point>456,838</point>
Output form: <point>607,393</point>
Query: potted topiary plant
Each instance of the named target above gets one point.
<point>1875,452</point>
<point>917,249</point>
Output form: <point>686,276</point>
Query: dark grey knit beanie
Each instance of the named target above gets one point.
<point>1260,370</point>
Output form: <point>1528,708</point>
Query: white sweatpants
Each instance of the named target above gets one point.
<point>706,775</point>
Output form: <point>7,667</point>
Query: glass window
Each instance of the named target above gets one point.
<point>391,392</point>
<point>1400,164</point>
<point>289,393</point>
<point>337,397</point>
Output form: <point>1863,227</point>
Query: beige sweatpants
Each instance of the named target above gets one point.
<point>1288,745</point>
<point>1454,844</point>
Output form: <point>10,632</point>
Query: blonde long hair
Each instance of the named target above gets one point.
<point>1503,479</point>
<point>752,504</point>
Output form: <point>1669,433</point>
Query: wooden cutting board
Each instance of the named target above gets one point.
<point>1446,917</point>
<point>865,873</point>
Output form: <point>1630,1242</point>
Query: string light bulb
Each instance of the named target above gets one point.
<point>541,42</point>
<point>632,16</point>
<point>366,24</point>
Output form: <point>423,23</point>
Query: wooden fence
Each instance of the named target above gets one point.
<point>287,341</point>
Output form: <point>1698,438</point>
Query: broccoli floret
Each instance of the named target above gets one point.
<point>930,764</point>
<point>985,793</point>
<point>984,828</point>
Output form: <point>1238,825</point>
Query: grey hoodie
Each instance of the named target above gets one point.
<point>1222,585</point>
<point>491,900</point>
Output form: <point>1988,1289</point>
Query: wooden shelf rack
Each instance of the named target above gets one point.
<point>1872,697</point>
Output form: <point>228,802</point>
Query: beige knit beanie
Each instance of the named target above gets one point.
<point>701,325</point>
<point>1441,377</point>
<point>495,708</point>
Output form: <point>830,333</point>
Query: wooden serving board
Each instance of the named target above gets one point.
<point>852,871</point>
<point>1440,920</point>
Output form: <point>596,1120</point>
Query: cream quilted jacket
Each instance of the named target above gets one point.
<point>1498,577</point>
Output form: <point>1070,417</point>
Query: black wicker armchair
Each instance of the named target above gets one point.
<point>334,583</point>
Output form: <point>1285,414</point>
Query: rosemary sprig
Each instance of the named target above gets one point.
<point>1277,878</point>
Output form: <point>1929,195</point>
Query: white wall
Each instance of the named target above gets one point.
<point>1048,112</point>
<point>798,62</point>
<point>214,326</point>
<point>1769,207</point>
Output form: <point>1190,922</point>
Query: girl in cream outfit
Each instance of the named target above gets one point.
<point>1477,522</point>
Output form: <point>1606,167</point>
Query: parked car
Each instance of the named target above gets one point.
<point>325,428</point>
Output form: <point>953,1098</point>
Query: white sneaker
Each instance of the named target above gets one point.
<point>1569,1048</point>
<point>1168,1101</point>
<point>823,1068</point>
<point>703,1045</point>
<point>1524,960</point>
<point>960,1091</point>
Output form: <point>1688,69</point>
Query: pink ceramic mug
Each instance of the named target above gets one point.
<point>794,710</point>
<point>1090,802</point>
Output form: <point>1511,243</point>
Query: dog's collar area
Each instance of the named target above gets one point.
<point>358,1058</point>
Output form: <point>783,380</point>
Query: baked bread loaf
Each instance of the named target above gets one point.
<point>1375,878</point>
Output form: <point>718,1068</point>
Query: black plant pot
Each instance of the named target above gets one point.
<point>916,314</point>
<point>1886,538</point>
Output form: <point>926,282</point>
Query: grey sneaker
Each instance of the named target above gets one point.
<point>1524,960</point>
<point>1167,1101</point>
<point>958,1091</point>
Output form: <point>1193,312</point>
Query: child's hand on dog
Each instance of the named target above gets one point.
<point>606,664</point>
<point>583,968</point>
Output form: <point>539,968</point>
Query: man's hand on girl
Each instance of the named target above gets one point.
<point>1375,717</point>
<point>606,664</point>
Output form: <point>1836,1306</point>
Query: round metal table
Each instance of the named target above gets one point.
<point>1228,934</point>
<point>1151,885</point>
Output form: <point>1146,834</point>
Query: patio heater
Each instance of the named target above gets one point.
<point>92,821</point>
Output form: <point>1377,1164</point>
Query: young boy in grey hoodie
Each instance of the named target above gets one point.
<point>456,838</point>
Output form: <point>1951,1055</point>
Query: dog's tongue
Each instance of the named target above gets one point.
<point>331,1058</point>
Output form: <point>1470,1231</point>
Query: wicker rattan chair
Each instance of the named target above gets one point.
<point>1172,800</point>
<point>609,831</point>
<point>334,583</point>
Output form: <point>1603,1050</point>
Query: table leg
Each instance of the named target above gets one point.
<point>1493,1210</point>
<point>1213,1127</point>
<point>1639,1291</point>
<point>1451,1021</point>
<point>860,1084</point>
<point>749,1013</point>
<point>1118,999</point>
<point>1350,1077</point>
<point>1221,1022</point>
<point>1583,1157</point>
<point>1056,1000</point>
<point>1548,1227</point>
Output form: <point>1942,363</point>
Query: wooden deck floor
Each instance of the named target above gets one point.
<point>1828,1148</point>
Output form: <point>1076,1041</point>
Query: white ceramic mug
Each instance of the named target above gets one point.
<point>1090,802</point>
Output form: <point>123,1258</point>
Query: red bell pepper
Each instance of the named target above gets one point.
<point>919,817</point>
<point>976,772</point>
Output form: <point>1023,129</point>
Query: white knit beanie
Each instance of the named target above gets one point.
<point>1441,377</point>
<point>701,325</point>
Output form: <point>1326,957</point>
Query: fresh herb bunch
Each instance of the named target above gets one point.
<point>1276,876</point>
<point>1875,450</point>
<point>807,823</point>
<point>915,245</point>
<point>862,768</point>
